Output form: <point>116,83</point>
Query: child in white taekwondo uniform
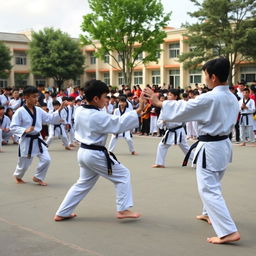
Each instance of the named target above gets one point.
<point>5,133</point>
<point>26,124</point>
<point>92,127</point>
<point>216,113</point>
<point>58,130</point>
<point>174,135</point>
<point>70,110</point>
<point>122,109</point>
<point>247,108</point>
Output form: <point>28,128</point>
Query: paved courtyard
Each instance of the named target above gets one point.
<point>166,198</point>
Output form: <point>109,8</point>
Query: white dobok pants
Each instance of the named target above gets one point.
<point>93,164</point>
<point>113,141</point>
<point>42,167</point>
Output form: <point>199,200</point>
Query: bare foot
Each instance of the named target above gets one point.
<point>134,153</point>
<point>204,218</point>
<point>68,148</point>
<point>127,214</point>
<point>233,237</point>
<point>72,145</point>
<point>40,182</point>
<point>60,218</point>
<point>19,181</point>
<point>242,144</point>
<point>158,166</point>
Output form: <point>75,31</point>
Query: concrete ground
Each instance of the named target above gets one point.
<point>166,198</point>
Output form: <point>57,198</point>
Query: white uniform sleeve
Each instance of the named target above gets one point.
<point>16,126</point>
<point>182,111</point>
<point>53,118</point>
<point>115,124</point>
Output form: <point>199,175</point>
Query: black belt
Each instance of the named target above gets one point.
<point>57,126</point>
<point>247,118</point>
<point>206,138</point>
<point>164,140</point>
<point>105,151</point>
<point>40,142</point>
<point>118,134</point>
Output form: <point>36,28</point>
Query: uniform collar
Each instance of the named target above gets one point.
<point>91,107</point>
<point>221,88</point>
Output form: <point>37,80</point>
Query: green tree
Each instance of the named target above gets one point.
<point>5,60</point>
<point>223,28</point>
<point>54,54</point>
<point>122,25</point>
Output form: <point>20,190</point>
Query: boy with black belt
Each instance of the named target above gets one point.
<point>26,124</point>
<point>92,127</point>
<point>216,113</point>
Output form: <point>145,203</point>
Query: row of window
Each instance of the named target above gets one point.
<point>247,73</point>
<point>174,52</point>
<point>174,77</point>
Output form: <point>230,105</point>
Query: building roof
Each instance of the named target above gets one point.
<point>13,37</point>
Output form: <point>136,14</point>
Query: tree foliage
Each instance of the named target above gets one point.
<point>54,54</point>
<point>120,25</point>
<point>223,28</point>
<point>5,60</point>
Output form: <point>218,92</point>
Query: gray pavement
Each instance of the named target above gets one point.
<point>166,198</point>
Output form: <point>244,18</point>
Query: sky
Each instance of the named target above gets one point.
<point>23,15</point>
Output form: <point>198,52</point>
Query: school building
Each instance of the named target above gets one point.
<point>166,71</point>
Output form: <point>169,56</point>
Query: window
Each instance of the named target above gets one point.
<point>218,50</point>
<point>20,58</point>
<point>3,83</point>
<point>92,75</point>
<point>195,76</point>
<point>140,56</point>
<point>156,79</point>
<point>92,58</point>
<point>120,78</point>
<point>192,48</point>
<point>138,79</point>
<point>248,73</point>
<point>174,77</point>
<point>106,58</point>
<point>40,81</point>
<point>77,81</point>
<point>174,50</point>
<point>106,78</point>
<point>120,56</point>
<point>158,55</point>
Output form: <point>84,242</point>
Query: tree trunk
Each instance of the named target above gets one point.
<point>59,84</point>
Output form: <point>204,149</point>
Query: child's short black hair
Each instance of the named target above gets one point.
<point>78,100</point>
<point>43,104</point>
<point>95,88</point>
<point>175,92</point>
<point>1,107</point>
<point>219,67</point>
<point>246,90</point>
<point>56,103</point>
<point>122,99</point>
<point>184,95</point>
<point>65,98</point>
<point>28,90</point>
